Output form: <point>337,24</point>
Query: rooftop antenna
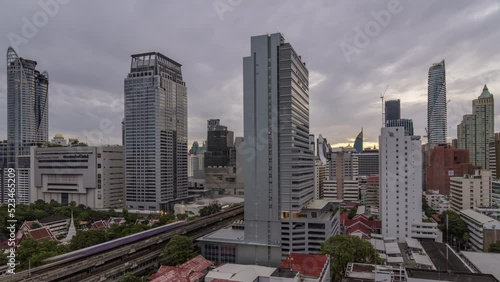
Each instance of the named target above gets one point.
<point>383,107</point>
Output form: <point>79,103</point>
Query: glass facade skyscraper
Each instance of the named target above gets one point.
<point>27,104</point>
<point>155,130</point>
<point>436,104</point>
<point>392,109</point>
<point>27,118</point>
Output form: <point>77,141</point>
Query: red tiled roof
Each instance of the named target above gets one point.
<point>306,264</point>
<point>98,225</point>
<point>435,216</point>
<point>358,227</point>
<point>372,178</point>
<point>40,234</point>
<point>343,217</point>
<point>190,271</point>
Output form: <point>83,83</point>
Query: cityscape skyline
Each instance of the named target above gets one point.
<point>99,101</point>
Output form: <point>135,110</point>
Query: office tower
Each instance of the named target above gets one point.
<point>406,123</point>
<point>392,109</point>
<point>312,144</point>
<point>471,191</point>
<point>358,143</point>
<point>437,104</point>
<point>350,190</point>
<point>212,124</point>
<point>476,131</point>
<point>155,133</point>
<point>400,182</point>
<point>366,163</point>
<point>220,168</point>
<point>219,142</point>
<point>323,150</point>
<point>279,174</point>
<point>446,162</point>
<point>494,156</point>
<point>341,168</point>
<point>319,178</point>
<point>27,117</point>
<point>27,103</point>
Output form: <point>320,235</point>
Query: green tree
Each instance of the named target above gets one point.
<point>178,250</point>
<point>346,248</point>
<point>182,216</point>
<point>84,239</point>
<point>31,252</point>
<point>35,225</point>
<point>494,247</point>
<point>352,212</point>
<point>128,277</point>
<point>210,209</point>
<point>456,227</point>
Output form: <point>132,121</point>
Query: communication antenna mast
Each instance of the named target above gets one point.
<point>383,106</point>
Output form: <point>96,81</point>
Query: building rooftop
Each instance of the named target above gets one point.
<point>225,234</point>
<point>53,218</point>
<point>437,253</point>
<point>306,264</point>
<point>190,271</point>
<point>488,263</point>
<point>239,272</point>
<point>435,275</point>
<point>479,217</point>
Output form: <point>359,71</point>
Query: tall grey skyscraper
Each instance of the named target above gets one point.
<point>155,130</point>
<point>27,104</point>
<point>477,130</point>
<point>277,134</point>
<point>281,215</point>
<point>392,109</point>
<point>436,104</point>
<point>27,117</point>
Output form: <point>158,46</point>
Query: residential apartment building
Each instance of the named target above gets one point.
<point>476,131</point>
<point>471,191</point>
<point>351,190</point>
<point>445,162</point>
<point>401,185</point>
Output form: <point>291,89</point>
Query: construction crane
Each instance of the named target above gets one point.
<point>383,107</point>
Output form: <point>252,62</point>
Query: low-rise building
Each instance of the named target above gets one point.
<point>295,267</point>
<point>436,201</point>
<point>361,272</point>
<point>470,191</point>
<point>483,230</point>
<point>193,270</point>
<point>480,262</point>
<point>92,176</point>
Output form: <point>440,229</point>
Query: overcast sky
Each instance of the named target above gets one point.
<point>86,46</point>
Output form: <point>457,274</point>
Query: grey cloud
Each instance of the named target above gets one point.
<point>86,48</point>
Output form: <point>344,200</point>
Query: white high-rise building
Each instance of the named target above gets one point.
<point>400,182</point>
